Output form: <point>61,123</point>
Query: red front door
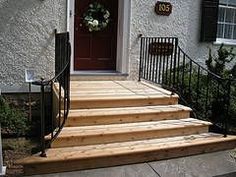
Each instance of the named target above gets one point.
<point>95,50</point>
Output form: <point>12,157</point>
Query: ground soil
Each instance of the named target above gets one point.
<point>13,149</point>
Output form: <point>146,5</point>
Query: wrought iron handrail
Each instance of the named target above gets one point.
<point>163,62</point>
<point>60,92</point>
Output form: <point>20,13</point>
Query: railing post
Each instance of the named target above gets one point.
<point>227,102</point>
<point>43,153</point>
<point>140,58</point>
<point>175,58</point>
<point>2,168</point>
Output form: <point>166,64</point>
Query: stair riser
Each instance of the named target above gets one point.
<point>79,104</point>
<point>129,118</point>
<point>161,154</point>
<point>126,136</point>
<point>97,78</point>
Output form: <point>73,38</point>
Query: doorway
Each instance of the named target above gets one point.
<point>96,50</point>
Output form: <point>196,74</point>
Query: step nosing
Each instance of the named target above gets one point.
<point>132,110</point>
<point>127,131</point>
<point>118,99</point>
<point>130,113</point>
<point>196,142</point>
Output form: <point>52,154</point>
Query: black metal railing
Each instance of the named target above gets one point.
<point>59,87</point>
<point>163,62</point>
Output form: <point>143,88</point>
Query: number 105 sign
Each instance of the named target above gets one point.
<point>163,8</point>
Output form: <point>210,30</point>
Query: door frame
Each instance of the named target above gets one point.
<point>123,34</point>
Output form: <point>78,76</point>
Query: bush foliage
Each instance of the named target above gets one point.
<point>204,92</point>
<point>12,120</point>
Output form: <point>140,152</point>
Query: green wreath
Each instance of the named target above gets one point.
<point>96,17</point>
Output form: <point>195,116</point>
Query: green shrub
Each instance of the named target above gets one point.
<point>204,94</point>
<point>12,120</point>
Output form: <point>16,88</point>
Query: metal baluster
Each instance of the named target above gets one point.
<point>64,100</point>
<point>175,55</point>
<point>52,116</point>
<point>149,61</point>
<point>43,153</point>
<point>59,121</point>
<point>160,61</point>
<point>229,83</point>
<point>145,59</point>
<point>152,65</point>
<point>141,60</point>
<point>178,67</point>
<point>171,62</point>
<point>190,78</point>
<point>183,75</point>
<point>167,60</point>
<point>156,64</point>
<point>198,85</point>
<point>206,98</point>
<point>163,59</point>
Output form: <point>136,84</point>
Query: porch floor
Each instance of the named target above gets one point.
<point>124,122</point>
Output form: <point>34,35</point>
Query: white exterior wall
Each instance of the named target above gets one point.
<point>184,23</point>
<point>27,39</point>
<point>27,30</point>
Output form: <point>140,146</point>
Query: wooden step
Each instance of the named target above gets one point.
<point>87,135</point>
<point>96,76</point>
<point>108,94</point>
<point>102,116</point>
<point>121,101</point>
<point>104,155</point>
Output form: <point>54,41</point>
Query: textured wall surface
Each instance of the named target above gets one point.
<point>184,23</point>
<point>27,39</point>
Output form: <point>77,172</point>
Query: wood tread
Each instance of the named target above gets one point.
<point>122,122</point>
<point>127,110</point>
<point>142,126</point>
<point>79,117</point>
<point>85,135</point>
<point>123,148</point>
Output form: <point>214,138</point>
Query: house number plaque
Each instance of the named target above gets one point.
<point>161,48</point>
<point>163,8</point>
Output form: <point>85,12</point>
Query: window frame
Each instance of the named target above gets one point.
<point>226,40</point>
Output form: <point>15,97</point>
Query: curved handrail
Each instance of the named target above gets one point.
<point>61,104</point>
<point>49,81</point>
<point>205,69</point>
<point>163,61</point>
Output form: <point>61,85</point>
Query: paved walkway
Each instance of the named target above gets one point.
<point>219,164</point>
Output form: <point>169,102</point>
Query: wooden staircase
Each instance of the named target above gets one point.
<point>123,122</point>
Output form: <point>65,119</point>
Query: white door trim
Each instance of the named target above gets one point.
<point>123,34</point>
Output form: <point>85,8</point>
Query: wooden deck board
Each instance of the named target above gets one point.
<point>105,116</point>
<point>122,122</point>
<point>81,152</point>
<point>98,134</point>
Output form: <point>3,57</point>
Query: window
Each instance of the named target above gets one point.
<point>226,24</point>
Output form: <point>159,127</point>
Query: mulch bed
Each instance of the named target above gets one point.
<point>14,149</point>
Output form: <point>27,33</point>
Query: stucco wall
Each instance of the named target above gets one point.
<point>184,23</point>
<point>27,39</point>
<point>27,35</point>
